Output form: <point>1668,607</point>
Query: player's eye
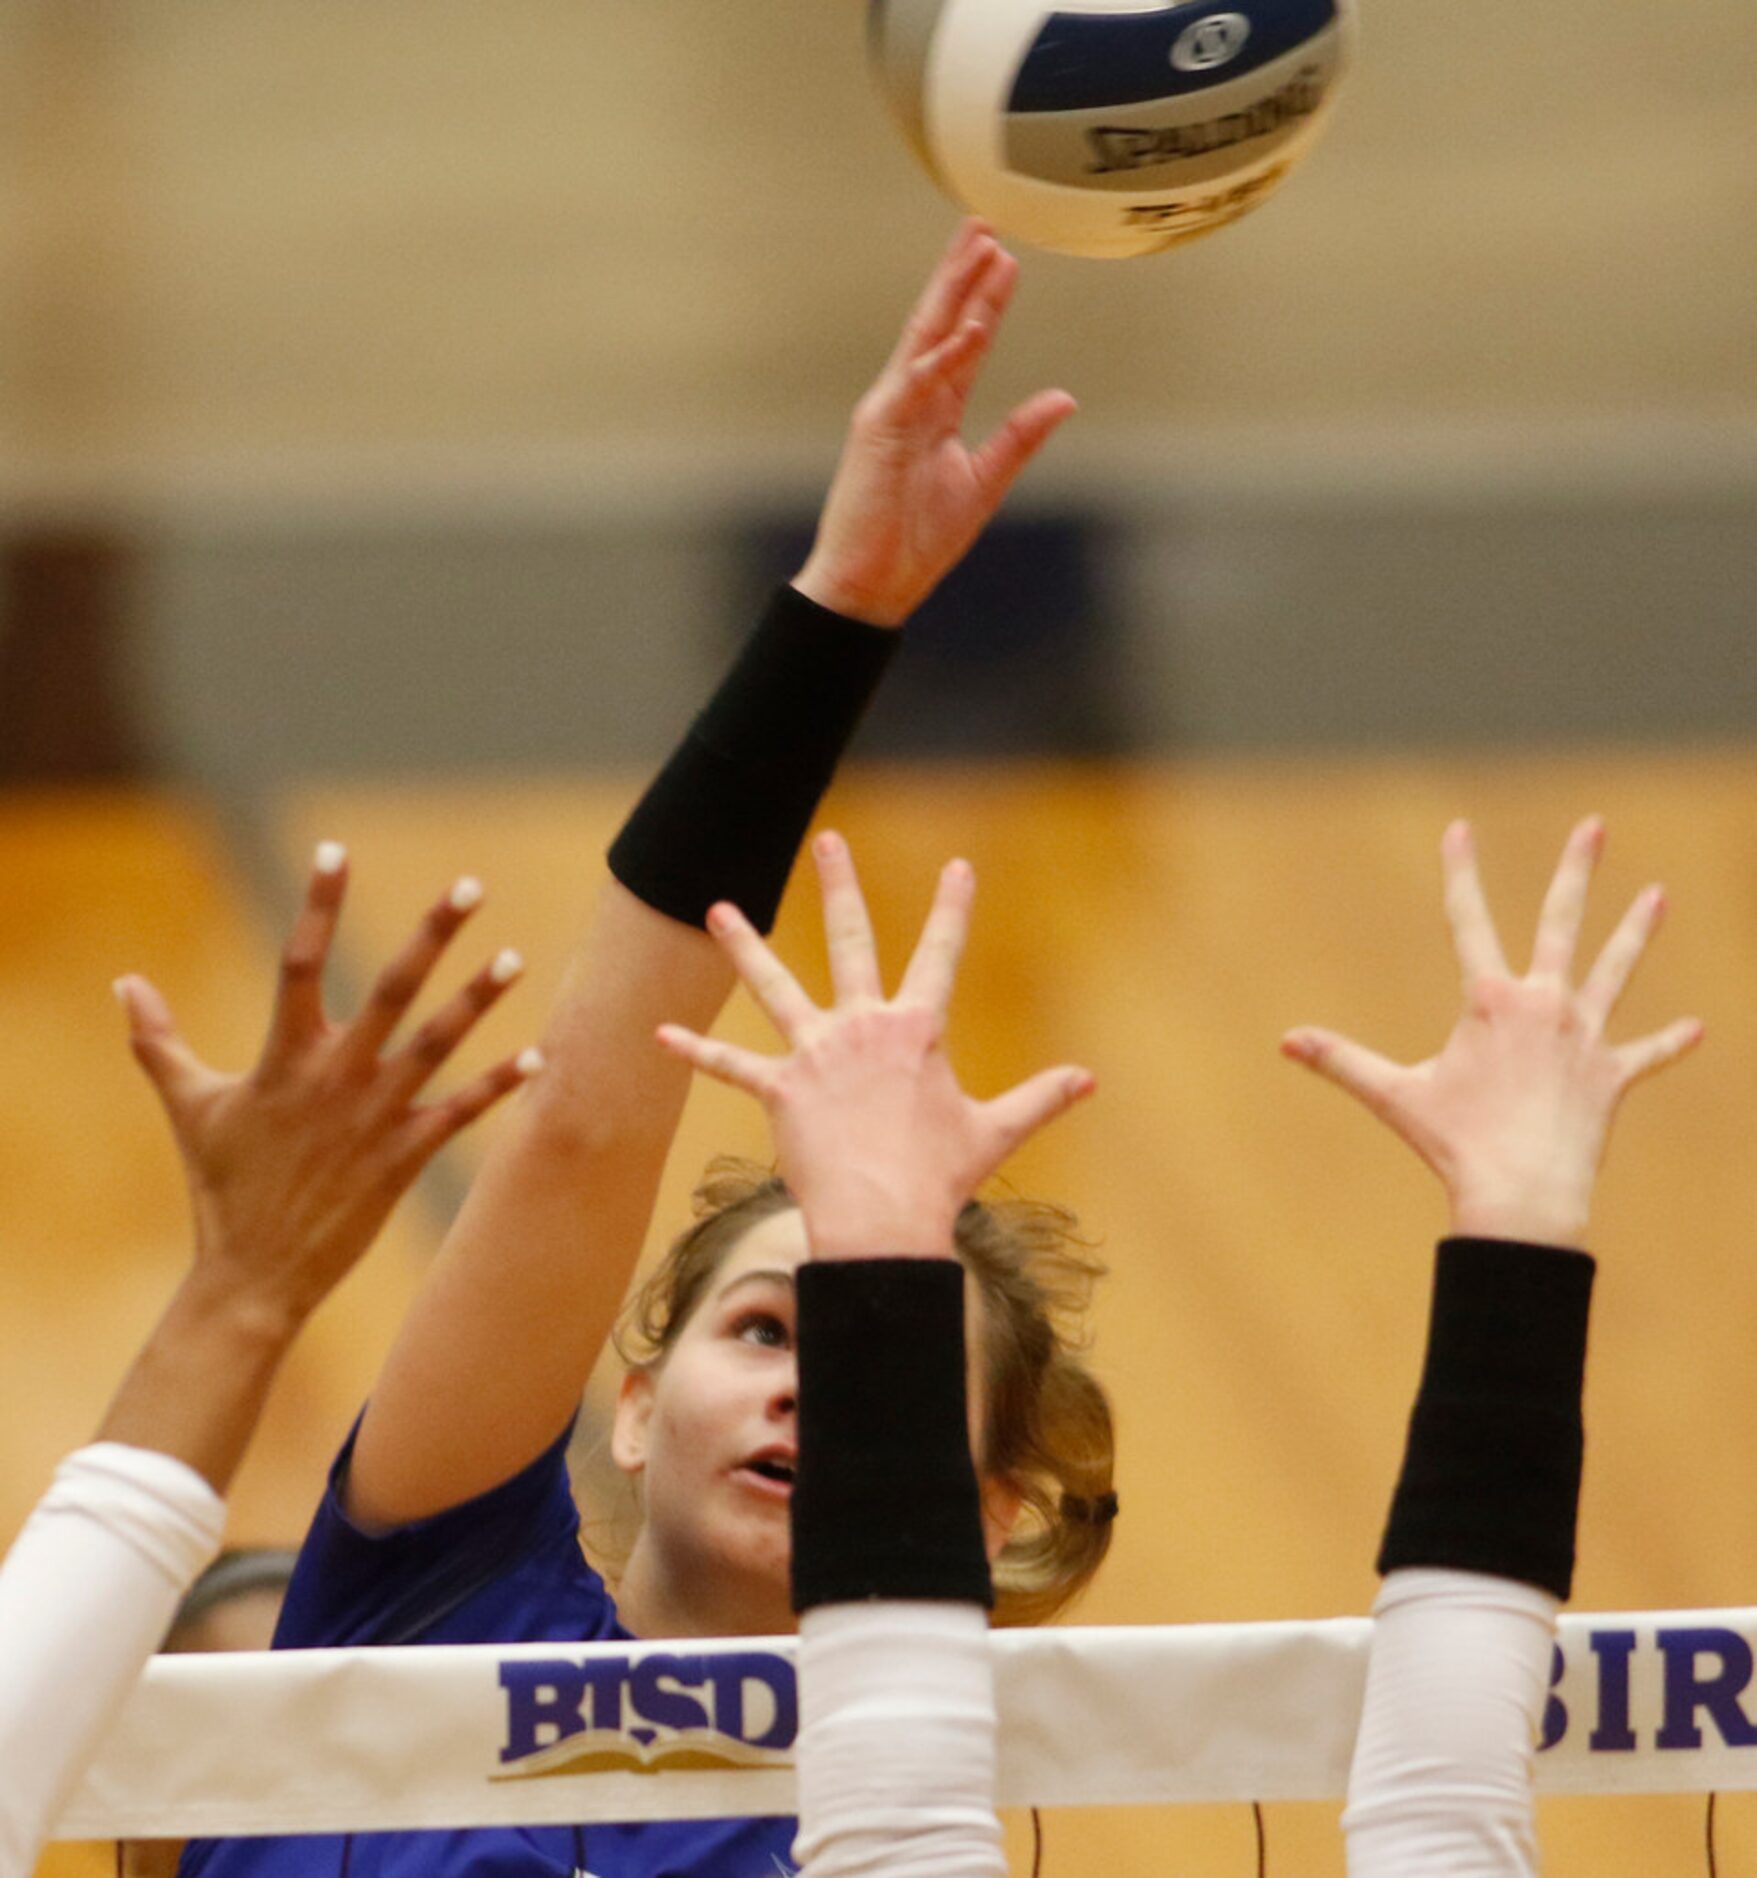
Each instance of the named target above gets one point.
<point>761,1327</point>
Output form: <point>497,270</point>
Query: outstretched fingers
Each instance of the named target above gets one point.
<point>941,307</point>
<point>952,366</point>
<point>1474,939</point>
<point>854,966</point>
<point>298,1012</point>
<point>748,1070</point>
<point>933,969</point>
<point>399,984</point>
<point>1647,1054</point>
<point>1564,905</point>
<point>768,981</point>
<point>1368,1077</point>
<point>1615,964</point>
<point>433,1043</point>
<point>989,299</point>
<point>434,1125</point>
<point>1035,1103</point>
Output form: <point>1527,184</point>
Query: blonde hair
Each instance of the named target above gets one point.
<point>1048,1429</point>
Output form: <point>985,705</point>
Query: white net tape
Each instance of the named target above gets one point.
<point>535,1734</point>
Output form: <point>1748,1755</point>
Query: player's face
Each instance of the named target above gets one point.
<point>713,1430</point>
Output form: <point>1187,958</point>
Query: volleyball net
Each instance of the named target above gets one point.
<point>326,1741</point>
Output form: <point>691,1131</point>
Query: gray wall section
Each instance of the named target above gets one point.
<point>441,647</point>
<point>1291,626</point>
<point>1233,624</point>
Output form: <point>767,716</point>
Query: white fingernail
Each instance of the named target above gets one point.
<point>119,991</point>
<point>330,856</point>
<point>529,1062</point>
<point>466,894</point>
<point>506,967</point>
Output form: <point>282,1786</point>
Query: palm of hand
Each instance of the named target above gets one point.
<point>869,1091</point>
<point>309,1158</point>
<point>909,497</point>
<point>293,1167</point>
<point>1514,1112</point>
<point>875,1138</point>
<point>1520,1098</point>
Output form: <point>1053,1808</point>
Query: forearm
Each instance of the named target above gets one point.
<point>1491,1472</point>
<point>1440,1785</point>
<point>897,1718</point>
<point>528,1284</point>
<point>525,1290</point>
<point>1479,1552</point>
<point>86,1595</point>
<point>897,1742</point>
<point>197,1388</point>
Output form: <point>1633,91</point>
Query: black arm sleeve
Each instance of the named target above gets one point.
<point>1491,1472</point>
<point>724,818</point>
<point>885,1501</point>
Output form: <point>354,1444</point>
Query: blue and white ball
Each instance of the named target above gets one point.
<point>1109,127</point>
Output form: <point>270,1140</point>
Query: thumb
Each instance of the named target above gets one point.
<point>1018,440</point>
<point>171,1066</point>
<point>1367,1076</point>
<point>1018,1114</point>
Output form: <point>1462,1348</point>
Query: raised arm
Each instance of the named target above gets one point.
<point>892,1526</point>
<point>292,1169</point>
<point>494,1354</point>
<point>1513,1114</point>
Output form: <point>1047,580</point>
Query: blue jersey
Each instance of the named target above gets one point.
<point>505,1568</point>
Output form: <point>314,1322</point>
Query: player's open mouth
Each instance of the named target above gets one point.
<point>770,1472</point>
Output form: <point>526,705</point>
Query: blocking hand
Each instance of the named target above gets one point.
<point>294,1166</point>
<point>1514,1112</point>
<point>876,1140</point>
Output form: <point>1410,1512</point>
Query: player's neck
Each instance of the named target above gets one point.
<point>652,1602</point>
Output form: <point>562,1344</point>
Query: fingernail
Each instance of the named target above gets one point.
<point>506,967</point>
<point>825,845</point>
<point>119,991</point>
<point>465,894</point>
<point>329,857</point>
<point>529,1062</point>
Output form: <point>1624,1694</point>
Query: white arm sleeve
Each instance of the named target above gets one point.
<point>86,1595</point>
<point>897,1742</point>
<point>1441,1781</point>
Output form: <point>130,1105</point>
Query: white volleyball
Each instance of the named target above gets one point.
<point>1109,127</point>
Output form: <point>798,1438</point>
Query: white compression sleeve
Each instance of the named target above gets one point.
<point>1441,1781</point>
<point>897,1742</point>
<point>86,1594</point>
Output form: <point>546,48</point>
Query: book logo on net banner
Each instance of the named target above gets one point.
<point>736,1709</point>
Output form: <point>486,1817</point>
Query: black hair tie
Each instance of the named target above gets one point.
<point>1098,1512</point>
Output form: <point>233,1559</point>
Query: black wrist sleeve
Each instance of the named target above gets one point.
<point>1491,1474</point>
<point>885,1501</point>
<point>725,816</point>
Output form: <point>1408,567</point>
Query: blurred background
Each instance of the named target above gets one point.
<point>402,413</point>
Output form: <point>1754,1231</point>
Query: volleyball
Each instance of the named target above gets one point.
<point>1109,127</point>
